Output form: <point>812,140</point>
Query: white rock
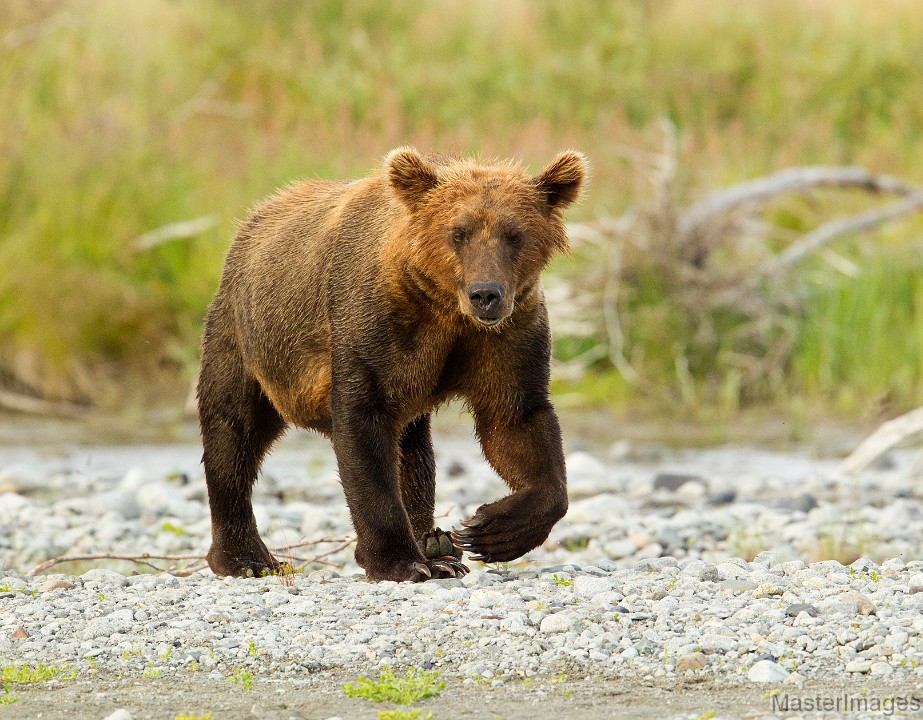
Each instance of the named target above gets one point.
<point>589,586</point>
<point>766,671</point>
<point>160,498</point>
<point>559,622</point>
<point>104,577</point>
<point>618,549</point>
<point>11,504</point>
<point>120,714</point>
<point>484,598</point>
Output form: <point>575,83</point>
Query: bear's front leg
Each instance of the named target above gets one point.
<point>525,449</point>
<point>366,445</point>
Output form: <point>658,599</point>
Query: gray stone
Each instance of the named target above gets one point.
<point>735,586</point>
<point>673,481</point>
<point>798,608</point>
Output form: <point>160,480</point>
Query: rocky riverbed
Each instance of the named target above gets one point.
<point>759,574</point>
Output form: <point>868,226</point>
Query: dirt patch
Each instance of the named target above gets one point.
<point>321,696</point>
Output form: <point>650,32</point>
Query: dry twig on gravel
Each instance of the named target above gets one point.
<point>146,558</point>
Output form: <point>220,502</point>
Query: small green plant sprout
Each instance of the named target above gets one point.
<point>244,678</point>
<point>193,666</point>
<point>413,686</point>
<point>193,716</point>
<point>706,715</point>
<point>672,583</point>
<point>559,679</point>
<point>7,696</point>
<point>151,672</point>
<point>26,674</point>
<point>251,649</point>
<point>167,526</point>
<point>562,581</point>
<point>577,543</point>
<point>403,715</point>
<point>165,655</point>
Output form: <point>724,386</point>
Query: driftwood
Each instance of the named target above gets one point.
<point>180,230</point>
<point>713,260</point>
<point>883,439</point>
<point>38,406</point>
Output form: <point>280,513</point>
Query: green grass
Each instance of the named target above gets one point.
<point>27,674</point>
<point>193,716</point>
<point>172,528</point>
<point>414,685</point>
<point>119,131</point>
<point>7,696</point>
<point>244,678</point>
<point>562,581</point>
<point>403,715</point>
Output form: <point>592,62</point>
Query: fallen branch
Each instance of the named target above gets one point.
<point>863,222</point>
<point>145,558</point>
<point>174,231</point>
<point>883,439</point>
<point>792,180</point>
<point>37,406</point>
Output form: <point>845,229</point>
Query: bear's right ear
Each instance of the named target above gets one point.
<point>410,175</point>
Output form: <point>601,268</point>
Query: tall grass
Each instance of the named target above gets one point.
<point>119,117</point>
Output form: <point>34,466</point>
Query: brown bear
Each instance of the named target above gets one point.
<point>355,309</point>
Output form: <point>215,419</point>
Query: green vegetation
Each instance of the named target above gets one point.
<point>193,716</point>
<point>112,134</point>
<point>151,672</point>
<point>403,715</point>
<point>26,674</point>
<point>167,526</point>
<point>562,581</point>
<point>244,678</point>
<point>8,697</point>
<point>413,686</point>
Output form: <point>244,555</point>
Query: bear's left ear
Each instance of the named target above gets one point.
<point>410,175</point>
<point>561,181</point>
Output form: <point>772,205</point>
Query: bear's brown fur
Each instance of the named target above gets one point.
<point>355,309</point>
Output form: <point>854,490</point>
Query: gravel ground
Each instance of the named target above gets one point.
<point>641,604</point>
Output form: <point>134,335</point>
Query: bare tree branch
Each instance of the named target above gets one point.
<point>882,440</point>
<point>863,222</point>
<point>791,180</point>
<point>174,231</point>
<point>145,558</point>
<point>38,406</point>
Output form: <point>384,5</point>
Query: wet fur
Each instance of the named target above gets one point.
<point>341,310</point>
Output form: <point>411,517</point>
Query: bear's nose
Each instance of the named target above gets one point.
<point>485,296</point>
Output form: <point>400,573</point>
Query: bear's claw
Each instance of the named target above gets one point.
<point>506,529</point>
<point>437,569</point>
<point>437,544</point>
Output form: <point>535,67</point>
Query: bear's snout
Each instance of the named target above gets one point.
<point>487,301</point>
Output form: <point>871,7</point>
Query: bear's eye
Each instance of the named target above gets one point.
<point>514,237</point>
<point>459,235</point>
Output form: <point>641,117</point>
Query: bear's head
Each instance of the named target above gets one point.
<point>480,233</point>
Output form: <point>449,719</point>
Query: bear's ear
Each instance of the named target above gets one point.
<point>561,181</point>
<point>410,175</point>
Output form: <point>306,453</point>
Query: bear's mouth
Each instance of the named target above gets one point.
<point>489,322</point>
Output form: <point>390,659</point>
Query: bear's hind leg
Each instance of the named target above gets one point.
<point>238,425</point>
<point>418,493</point>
